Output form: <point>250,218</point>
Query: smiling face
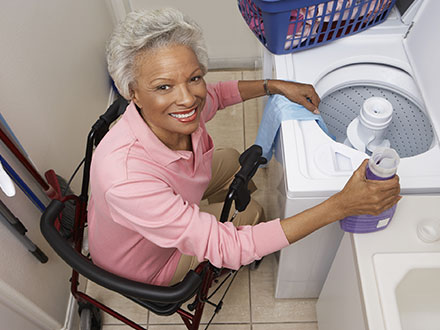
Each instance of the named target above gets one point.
<point>171,93</point>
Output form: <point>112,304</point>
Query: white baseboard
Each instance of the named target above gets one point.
<point>25,308</point>
<point>71,314</point>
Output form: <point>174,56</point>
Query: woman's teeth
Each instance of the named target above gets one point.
<point>181,116</point>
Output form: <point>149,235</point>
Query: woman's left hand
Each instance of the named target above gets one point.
<point>303,94</point>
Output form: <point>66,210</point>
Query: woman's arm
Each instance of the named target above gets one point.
<point>359,196</point>
<point>303,94</point>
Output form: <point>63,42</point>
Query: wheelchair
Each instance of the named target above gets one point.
<point>161,300</point>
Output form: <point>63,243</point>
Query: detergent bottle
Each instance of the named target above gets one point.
<point>382,165</point>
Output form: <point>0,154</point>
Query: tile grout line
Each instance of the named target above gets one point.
<point>250,300</point>
<point>245,143</point>
<point>287,322</point>
<point>243,112</point>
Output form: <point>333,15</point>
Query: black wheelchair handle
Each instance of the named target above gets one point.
<point>250,160</point>
<point>114,110</point>
<point>101,126</point>
<point>238,191</point>
<point>158,294</point>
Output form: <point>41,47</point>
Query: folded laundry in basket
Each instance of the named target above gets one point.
<point>278,109</point>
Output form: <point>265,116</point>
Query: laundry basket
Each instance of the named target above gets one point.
<point>286,26</point>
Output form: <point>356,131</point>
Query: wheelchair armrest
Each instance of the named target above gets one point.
<point>159,294</point>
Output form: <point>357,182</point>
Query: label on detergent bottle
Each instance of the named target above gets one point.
<point>382,165</point>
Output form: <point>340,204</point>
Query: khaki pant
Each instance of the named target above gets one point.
<point>224,166</point>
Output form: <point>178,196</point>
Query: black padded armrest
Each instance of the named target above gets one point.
<point>160,294</point>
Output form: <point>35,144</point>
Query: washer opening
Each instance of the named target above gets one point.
<point>410,132</point>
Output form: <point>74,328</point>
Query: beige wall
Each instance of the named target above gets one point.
<point>230,42</point>
<point>53,78</point>
<point>53,85</point>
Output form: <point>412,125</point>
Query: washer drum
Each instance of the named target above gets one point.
<point>410,132</point>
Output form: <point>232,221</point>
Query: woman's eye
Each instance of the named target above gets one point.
<point>163,87</point>
<point>196,78</point>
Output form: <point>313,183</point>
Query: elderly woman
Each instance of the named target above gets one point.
<point>155,166</point>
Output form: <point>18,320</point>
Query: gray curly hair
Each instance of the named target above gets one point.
<point>146,30</point>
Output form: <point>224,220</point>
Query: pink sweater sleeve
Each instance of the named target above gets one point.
<point>173,223</point>
<point>220,95</point>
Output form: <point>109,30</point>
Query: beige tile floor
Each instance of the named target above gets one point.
<point>250,303</point>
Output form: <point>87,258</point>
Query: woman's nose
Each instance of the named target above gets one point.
<point>185,96</point>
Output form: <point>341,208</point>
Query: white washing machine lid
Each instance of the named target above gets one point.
<point>422,45</point>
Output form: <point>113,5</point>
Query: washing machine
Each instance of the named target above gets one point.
<point>397,60</point>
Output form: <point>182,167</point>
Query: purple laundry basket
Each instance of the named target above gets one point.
<point>382,165</point>
<point>287,26</point>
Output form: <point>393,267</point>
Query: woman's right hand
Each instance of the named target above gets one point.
<point>359,196</point>
<point>363,196</point>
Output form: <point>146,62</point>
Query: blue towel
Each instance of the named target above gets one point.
<point>278,109</point>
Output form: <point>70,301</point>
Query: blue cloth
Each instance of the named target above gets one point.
<point>278,109</point>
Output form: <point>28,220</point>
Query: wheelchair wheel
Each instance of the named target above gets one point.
<point>90,317</point>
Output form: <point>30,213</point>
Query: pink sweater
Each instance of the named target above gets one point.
<point>144,213</point>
